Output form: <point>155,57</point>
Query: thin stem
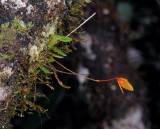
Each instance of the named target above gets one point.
<point>55,74</point>
<point>35,88</point>
<point>82,75</point>
<point>70,73</point>
<point>108,79</point>
<point>5,106</point>
<point>81,24</point>
<point>52,88</point>
<point>64,71</point>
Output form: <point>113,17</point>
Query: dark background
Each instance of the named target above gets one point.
<point>131,27</point>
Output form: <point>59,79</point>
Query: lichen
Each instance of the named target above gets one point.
<point>31,50</point>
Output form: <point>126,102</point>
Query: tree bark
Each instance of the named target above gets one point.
<point>39,12</point>
<point>106,55</point>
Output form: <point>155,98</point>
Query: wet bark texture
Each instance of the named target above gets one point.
<point>6,68</point>
<point>38,12</point>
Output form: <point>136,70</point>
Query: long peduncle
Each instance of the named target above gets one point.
<point>82,75</point>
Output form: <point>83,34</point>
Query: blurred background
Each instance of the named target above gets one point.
<point>123,41</point>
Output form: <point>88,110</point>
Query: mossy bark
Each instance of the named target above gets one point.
<point>40,13</point>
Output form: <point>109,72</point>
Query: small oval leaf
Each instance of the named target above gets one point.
<point>61,38</point>
<point>44,69</point>
<point>50,59</point>
<point>59,51</point>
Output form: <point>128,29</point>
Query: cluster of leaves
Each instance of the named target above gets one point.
<point>54,51</point>
<point>32,58</point>
<point>73,15</point>
<point>28,72</point>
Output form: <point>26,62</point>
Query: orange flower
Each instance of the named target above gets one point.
<point>122,82</point>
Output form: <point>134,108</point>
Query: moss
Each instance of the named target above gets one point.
<point>31,50</point>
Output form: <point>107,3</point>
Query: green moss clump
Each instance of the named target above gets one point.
<point>31,51</point>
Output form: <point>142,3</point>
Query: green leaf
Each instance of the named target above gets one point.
<point>57,56</point>
<point>65,39</point>
<point>59,51</point>
<point>4,26</point>
<point>79,39</point>
<point>29,25</point>
<point>42,96</point>
<point>61,38</point>
<point>18,91</point>
<point>44,69</point>
<point>88,1</point>
<point>50,59</point>
<point>16,23</point>
<point>52,40</point>
<point>5,56</point>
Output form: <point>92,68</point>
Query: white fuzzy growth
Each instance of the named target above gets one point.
<point>3,93</point>
<point>29,9</point>
<point>34,52</point>
<point>7,71</point>
<point>3,1</point>
<point>18,3</point>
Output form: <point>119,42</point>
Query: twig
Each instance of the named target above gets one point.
<point>5,107</point>
<point>7,104</point>
<point>64,71</point>
<point>35,88</point>
<point>52,88</point>
<point>82,24</point>
<point>55,74</point>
